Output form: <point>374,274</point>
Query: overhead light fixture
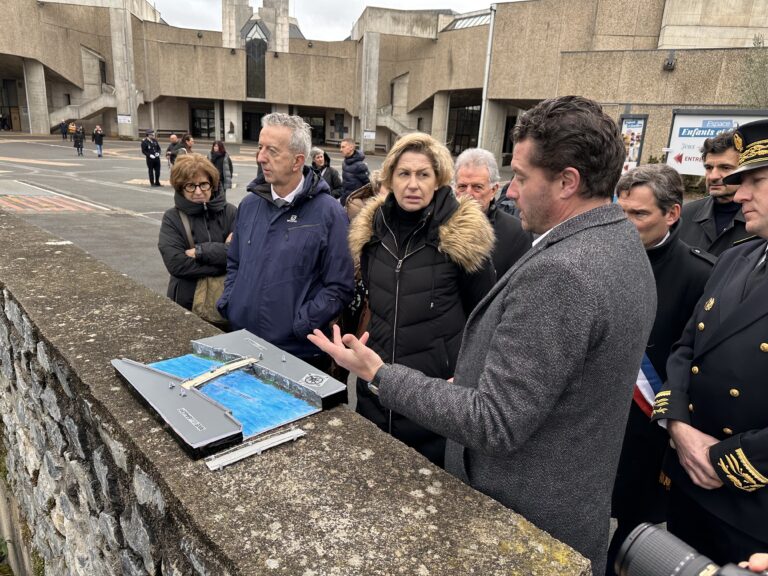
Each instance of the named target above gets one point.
<point>670,61</point>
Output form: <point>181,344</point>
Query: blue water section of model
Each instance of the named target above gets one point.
<point>258,406</point>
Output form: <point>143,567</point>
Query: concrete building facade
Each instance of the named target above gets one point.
<point>463,77</point>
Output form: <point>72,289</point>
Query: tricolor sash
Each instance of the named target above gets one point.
<point>647,386</point>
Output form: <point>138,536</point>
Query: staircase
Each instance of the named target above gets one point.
<point>103,101</point>
<point>385,118</point>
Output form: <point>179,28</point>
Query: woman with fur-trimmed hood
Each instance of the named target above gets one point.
<point>424,256</point>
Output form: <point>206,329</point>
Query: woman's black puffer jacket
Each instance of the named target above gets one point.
<point>211,223</point>
<point>421,293</point>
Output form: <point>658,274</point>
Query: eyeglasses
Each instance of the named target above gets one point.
<point>190,187</point>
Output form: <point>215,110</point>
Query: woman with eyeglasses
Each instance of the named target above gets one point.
<point>211,222</point>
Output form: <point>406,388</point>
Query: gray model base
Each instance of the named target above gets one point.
<point>194,417</point>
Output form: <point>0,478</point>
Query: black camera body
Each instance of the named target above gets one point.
<point>652,551</point>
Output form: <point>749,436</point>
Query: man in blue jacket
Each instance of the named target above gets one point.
<point>354,170</point>
<point>289,269</point>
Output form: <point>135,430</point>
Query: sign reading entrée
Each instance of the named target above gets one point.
<point>691,127</point>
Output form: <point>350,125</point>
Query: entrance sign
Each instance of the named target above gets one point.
<point>691,127</point>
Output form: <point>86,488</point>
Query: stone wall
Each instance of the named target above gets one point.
<point>104,489</point>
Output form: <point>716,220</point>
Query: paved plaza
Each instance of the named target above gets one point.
<point>104,205</point>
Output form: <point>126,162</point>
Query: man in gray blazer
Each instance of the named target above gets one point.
<point>536,413</point>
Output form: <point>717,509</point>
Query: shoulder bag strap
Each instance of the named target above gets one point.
<point>187,227</point>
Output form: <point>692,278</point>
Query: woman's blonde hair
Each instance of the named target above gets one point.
<point>421,143</point>
<point>185,168</point>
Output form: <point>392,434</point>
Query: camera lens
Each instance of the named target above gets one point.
<point>652,551</point>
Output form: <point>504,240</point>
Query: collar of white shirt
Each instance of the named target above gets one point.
<point>288,199</point>
<point>540,238</point>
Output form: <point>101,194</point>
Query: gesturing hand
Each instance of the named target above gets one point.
<point>349,352</point>
<point>693,451</point>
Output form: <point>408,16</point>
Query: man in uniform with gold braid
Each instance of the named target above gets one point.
<point>715,401</point>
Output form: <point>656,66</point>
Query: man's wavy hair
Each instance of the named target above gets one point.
<point>572,131</point>
<point>301,133</point>
<point>717,144</point>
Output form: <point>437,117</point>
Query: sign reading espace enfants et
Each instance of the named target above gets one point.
<point>691,127</point>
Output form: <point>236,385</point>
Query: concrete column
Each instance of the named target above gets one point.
<point>21,99</point>
<point>123,66</point>
<point>233,122</point>
<point>218,121</point>
<point>37,97</point>
<point>284,108</point>
<point>491,135</point>
<point>275,14</point>
<point>234,15</point>
<point>441,108</point>
<point>369,90</point>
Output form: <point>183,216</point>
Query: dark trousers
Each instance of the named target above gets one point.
<point>638,495</point>
<point>708,534</point>
<point>153,167</point>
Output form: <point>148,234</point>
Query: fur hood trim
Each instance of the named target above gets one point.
<point>467,236</point>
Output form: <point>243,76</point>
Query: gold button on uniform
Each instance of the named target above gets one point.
<point>735,393</point>
<point>694,370</point>
<point>764,347</point>
<point>700,326</point>
<point>727,431</point>
<point>690,407</point>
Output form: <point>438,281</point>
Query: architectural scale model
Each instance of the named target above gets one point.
<point>235,386</point>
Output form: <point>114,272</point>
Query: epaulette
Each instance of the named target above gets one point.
<point>704,255</point>
<point>747,239</point>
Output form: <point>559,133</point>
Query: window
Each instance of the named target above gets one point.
<point>255,68</point>
<point>469,21</point>
<point>317,124</point>
<point>463,128</point>
<point>203,123</point>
